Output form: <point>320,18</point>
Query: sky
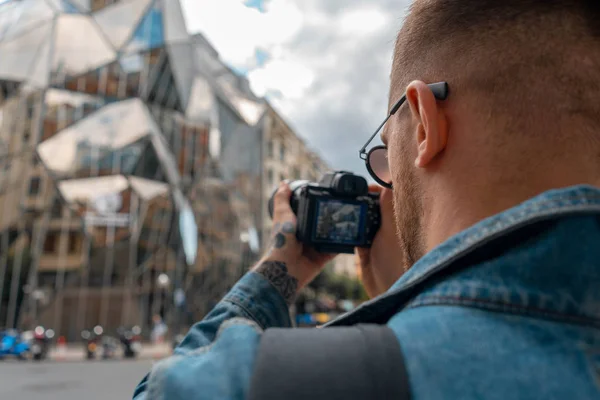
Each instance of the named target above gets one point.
<point>323,64</point>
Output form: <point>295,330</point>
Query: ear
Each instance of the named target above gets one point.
<point>431,123</point>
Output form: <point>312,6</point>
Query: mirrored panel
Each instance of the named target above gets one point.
<point>19,54</point>
<point>150,33</point>
<point>175,27</point>
<point>20,17</point>
<point>90,141</point>
<point>79,47</point>
<point>119,21</point>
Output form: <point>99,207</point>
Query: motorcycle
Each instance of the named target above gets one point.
<point>12,344</point>
<point>90,341</point>
<point>41,343</point>
<point>131,341</point>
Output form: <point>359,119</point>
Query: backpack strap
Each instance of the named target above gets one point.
<point>359,362</point>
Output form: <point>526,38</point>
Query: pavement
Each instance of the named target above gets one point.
<point>78,380</point>
<point>77,352</point>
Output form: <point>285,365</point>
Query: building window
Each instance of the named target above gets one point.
<point>270,149</point>
<point>56,210</point>
<point>270,176</point>
<point>34,186</point>
<point>50,243</point>
<point>282,153</point>
<point>73,242</point>
<point>296,173</point>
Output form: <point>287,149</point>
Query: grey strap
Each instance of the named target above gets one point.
<point>359,362</point>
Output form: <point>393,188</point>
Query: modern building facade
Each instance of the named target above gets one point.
<point>117,165</point>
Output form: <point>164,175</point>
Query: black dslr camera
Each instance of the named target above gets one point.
<point>335,215</point>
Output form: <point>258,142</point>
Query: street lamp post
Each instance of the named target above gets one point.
<point>163,282</point>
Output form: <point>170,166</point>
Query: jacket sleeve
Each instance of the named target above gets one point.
<point>216,358</point>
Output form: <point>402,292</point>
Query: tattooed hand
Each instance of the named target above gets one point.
<point>289,265</point>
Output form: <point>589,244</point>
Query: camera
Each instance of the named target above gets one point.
<point>335,215</point>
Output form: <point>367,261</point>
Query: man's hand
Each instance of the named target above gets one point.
<point>380,267</point>
<point>289,265</point>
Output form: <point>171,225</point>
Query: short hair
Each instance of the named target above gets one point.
<point>534,61</point>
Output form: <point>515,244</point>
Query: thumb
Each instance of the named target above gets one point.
<point>281,202</point>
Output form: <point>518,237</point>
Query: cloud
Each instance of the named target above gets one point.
<point>327,66</point>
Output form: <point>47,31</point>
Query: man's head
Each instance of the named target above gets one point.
<point>524,80</point>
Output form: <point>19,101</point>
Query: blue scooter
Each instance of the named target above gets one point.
<point>13,345</point>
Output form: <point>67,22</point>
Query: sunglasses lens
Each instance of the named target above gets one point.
<point>378,160</point>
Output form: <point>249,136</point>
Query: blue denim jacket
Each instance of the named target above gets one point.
<point>508,309</point>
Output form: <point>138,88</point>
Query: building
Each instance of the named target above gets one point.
<point>118,165</point>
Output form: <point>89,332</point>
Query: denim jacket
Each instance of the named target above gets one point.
<point>507,309</point>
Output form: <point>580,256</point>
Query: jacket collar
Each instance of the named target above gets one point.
<point>577,200</point>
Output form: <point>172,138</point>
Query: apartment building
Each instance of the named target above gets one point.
<point>287,156</point>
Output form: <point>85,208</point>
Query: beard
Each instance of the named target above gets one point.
<point>408,212</point>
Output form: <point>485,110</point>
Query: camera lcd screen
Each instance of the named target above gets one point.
<point>340,222</point>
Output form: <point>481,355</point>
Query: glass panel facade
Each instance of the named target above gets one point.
<point>175,30</point>
<point>106,179</point>
<point>20,53</point>
<point>150,33</point>
<point>78,46</point>
<point>25,16</point>
<point>118,22</point>
<point>65,6</point>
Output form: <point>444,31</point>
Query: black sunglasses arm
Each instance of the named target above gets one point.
<point>440,90</point>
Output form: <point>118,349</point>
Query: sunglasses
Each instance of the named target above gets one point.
<point>377,158</point>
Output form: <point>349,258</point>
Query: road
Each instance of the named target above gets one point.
<point>97,380</point>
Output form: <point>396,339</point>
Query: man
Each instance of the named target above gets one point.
<point>497,215</point>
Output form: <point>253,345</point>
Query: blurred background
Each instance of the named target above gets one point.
<point>141,139</point>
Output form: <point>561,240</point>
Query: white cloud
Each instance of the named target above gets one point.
<point>362,21</point>
<point>286,76</point>
<point>238,31</point>
<point>329,64</point>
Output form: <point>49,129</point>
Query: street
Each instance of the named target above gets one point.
<point>71,380</point>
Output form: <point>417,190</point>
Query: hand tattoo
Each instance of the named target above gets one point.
<point>276,273</point>
<point>288,227</point>
<point>279,232</point>
<point>279,241</point>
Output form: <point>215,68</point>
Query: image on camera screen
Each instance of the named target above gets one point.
<point>338,222</point>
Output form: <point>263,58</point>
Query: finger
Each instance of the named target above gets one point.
<point>281,202</point>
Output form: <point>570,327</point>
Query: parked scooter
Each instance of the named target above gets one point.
<point>13,344</point>
<point>41,343</point>
<point>131,341</point>
<point>109,347</point>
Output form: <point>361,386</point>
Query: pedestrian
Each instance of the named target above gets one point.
<point>485,274</point>
<point>159,330</point>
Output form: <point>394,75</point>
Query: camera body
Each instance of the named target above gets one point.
<point>335,215</point>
